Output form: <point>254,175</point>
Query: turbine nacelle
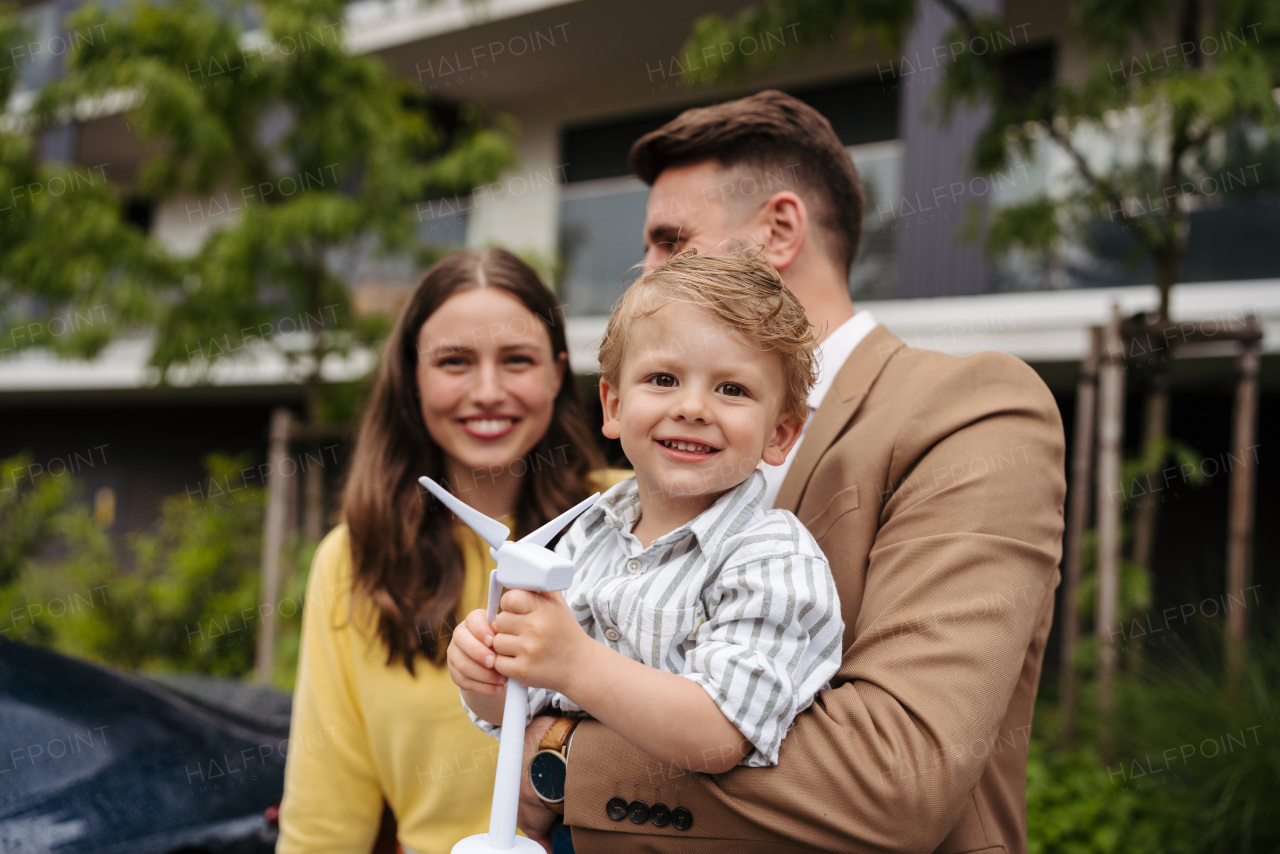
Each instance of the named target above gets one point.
<point>532,567</point>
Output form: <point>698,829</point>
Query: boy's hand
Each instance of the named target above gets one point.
<point>471,656</point>
<point>539,641</point>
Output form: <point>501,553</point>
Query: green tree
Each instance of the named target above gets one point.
<point>299,157</point>
<point>73,270</point>
<point>1200,110</point>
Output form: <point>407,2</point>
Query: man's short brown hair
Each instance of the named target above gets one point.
<point>739,290</point>
<point>767,131</point>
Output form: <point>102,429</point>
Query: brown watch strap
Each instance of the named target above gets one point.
<point>557,734</point>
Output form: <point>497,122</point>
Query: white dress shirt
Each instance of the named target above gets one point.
<point>832,353</point>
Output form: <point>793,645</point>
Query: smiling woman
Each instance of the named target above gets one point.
<point>473,391</point>
<point>487,380</point>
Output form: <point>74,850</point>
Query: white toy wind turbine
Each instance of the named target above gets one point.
<point>524,565</point>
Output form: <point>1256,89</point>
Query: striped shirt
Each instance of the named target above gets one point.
<point>740,600</point>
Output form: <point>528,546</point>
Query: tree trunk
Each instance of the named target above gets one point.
<point>1155,426</point>
<point>1154,430</point>
<point>1147,515</point>
<point>313,513</point>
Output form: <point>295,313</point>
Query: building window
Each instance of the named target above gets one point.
<point>601,239</point>
<point>874,274</point>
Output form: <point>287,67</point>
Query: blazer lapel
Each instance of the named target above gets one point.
<point>847,392</point>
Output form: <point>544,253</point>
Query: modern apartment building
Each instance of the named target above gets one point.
<point>583,79</point>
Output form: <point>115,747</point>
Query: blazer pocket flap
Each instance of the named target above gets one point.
<point>841,503</point>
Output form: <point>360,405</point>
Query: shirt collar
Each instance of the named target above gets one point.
<point>622,504</point>
<point>725,516</point>
<point>835,350</point>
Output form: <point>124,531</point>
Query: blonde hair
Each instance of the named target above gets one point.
<point>740,290</point>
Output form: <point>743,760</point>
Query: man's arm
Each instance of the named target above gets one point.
<point>950,579</point>
<point>534,818</point>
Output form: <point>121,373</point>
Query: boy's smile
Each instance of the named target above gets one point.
<point>696,407</point>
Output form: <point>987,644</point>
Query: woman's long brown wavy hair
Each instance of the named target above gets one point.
<point>404,558</point>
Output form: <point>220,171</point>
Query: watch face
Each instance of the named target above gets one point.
<point>546,773</point>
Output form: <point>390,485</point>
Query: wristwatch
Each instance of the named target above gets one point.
<point>547,769</point>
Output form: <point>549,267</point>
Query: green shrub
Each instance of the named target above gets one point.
<point>1217,744</point>
<point>182,596</point>
<point>29,504</point>
<point>1073,807</point>
<point>1196,766</point>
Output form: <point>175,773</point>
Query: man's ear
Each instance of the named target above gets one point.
<point>785,434</point>
<point>785,221</point>
<point>609,403</point>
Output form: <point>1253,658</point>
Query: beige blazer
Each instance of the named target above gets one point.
<point>935,486</point>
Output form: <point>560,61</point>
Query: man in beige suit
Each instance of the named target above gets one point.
<point>934,485</point>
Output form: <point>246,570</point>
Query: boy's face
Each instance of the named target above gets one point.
<point>696,406</point>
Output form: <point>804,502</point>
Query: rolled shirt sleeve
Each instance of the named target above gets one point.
<point>772,637</point>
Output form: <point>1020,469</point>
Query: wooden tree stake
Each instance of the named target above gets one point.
<point>1077,523</point>
<point>273,535</point>
<point>1241,510</point>
<point>1110,491</point>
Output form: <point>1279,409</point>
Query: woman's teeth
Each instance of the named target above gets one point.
<point>489,425</point>
<point>688,446</point>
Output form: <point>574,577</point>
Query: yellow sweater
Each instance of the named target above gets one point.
<point>363,730</point>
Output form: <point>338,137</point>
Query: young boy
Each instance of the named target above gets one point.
<point>699,623</point>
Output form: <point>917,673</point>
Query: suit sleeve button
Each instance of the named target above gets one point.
<point>638,811</point>
<point>616,809</point>
<point>660,815</point>
<point>681,818</point>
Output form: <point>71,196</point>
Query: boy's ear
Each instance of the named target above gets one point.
<point>609,403</point>
<point>785,434</point>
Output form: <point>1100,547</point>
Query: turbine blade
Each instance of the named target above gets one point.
<point>543,535</point>
<point>491,531</point>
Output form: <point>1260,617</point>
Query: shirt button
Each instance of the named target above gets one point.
<point>616,809</point>
<point>609,523</point>
<point>612,634</point>
<point>681,818</point>
<point>633,565</point>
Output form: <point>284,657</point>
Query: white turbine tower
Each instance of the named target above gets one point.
<point>524,565</point>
